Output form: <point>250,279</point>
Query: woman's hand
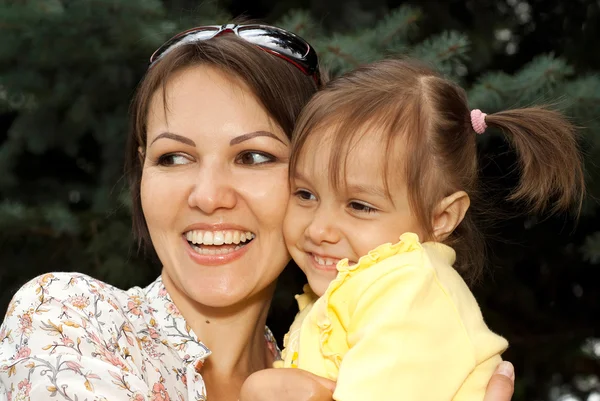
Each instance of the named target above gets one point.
<point>299,385</point>
<point>502,384</point>
<point>288,385</point>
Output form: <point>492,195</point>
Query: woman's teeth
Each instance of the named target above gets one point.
<point>199,237</point>
<point>218,238</point>
<point>215,251</point>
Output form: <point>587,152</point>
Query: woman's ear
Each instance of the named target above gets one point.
<point>449,213</point>
<point>141,154</point>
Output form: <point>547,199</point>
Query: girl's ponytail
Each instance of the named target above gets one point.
<point>552,176</point>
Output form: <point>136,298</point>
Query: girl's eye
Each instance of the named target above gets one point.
<point>254,158</point>
<point>303,194</point>
<point>361,207</point>
<point>173,159</point>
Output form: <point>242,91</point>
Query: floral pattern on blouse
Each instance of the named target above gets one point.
<point>67,336</point>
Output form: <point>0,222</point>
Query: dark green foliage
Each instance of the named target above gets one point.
<point>68,69</point>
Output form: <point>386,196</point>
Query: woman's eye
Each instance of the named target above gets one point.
<point>361,207</point>
<point>173,159</point>
<point>304,195</point>
<point>254,158</point>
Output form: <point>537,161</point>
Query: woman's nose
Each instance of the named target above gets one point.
<point>212,190</point>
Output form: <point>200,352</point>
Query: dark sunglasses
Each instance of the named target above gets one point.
<point>273,40</point>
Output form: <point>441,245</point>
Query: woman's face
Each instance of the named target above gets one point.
<point>214,188</point>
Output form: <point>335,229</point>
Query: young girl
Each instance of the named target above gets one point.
<point>388,151</point>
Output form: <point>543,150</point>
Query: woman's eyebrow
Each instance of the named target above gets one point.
<point>175,137</point>
<point>250,135</point>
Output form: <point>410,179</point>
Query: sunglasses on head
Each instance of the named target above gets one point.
<point>273,40</point>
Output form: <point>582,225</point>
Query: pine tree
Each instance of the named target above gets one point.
<point>68,69</point>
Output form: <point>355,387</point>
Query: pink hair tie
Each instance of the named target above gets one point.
<point>478,121</point>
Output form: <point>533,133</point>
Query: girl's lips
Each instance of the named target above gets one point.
<point>228,253</point>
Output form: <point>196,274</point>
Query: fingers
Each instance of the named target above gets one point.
<point>286,385</point>
<point>502,384</point>
<point>321,381</point>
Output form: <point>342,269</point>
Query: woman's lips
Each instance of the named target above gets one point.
<point>216,254</point>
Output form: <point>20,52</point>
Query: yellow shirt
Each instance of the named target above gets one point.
<point>401,324</point>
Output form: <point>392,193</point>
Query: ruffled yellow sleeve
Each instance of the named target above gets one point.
<point>289,355</point>
<point>408,341</point>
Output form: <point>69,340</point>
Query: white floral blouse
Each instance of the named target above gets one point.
<point>67,336</point>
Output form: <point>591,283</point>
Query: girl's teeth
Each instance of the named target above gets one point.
<point>325,261</point>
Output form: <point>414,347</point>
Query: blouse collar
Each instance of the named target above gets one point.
<point>179,334</point>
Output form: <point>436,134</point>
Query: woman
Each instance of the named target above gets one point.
<point>207,159</point>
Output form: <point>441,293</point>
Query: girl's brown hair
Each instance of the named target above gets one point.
<point>280,87</point>
<point>409,102</point>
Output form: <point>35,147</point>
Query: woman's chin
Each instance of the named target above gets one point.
<point>224,286</point>
<point>224,280</point>
<point>226,295</point>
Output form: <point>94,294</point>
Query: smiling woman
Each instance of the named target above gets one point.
<point>222,168</point>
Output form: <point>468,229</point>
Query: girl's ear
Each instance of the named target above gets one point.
<point>449,213</point>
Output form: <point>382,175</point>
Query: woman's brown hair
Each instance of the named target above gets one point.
<point>416,108</point>
<point>280,87</point>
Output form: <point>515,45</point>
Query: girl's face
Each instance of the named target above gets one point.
<point>323,226</point>
<point>214,189</point>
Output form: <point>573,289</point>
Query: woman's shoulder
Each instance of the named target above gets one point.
<point>76,292</point>
<point>66,312</point>
<point>60,323</point>
<point>59,282</point>
<point>60,286</point>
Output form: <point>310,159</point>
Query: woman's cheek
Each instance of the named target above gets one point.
<point>269,193</point>
<point>162,195</point>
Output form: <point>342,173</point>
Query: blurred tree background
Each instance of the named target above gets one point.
<point>68,69</point>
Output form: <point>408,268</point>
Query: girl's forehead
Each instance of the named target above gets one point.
<point>356,142</point>
<point>367,154</point>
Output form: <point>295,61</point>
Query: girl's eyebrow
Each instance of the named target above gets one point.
<point>374,190</point>
<point>298,175</point>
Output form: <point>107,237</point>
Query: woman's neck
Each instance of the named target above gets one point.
<point>234,334</point>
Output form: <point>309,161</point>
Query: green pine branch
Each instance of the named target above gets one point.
<point>301,23</point>
<point>448,52</point>
<point>591,248</point>
<point>395,30</point>
<point>52,220</point>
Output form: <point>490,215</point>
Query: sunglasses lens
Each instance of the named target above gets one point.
<point>275,39</point>
<point>195,36</point>
<point>186,37</point>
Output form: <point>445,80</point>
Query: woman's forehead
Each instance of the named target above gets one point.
<point>205,99</point>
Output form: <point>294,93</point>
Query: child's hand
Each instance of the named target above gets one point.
<point>286,385</point>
